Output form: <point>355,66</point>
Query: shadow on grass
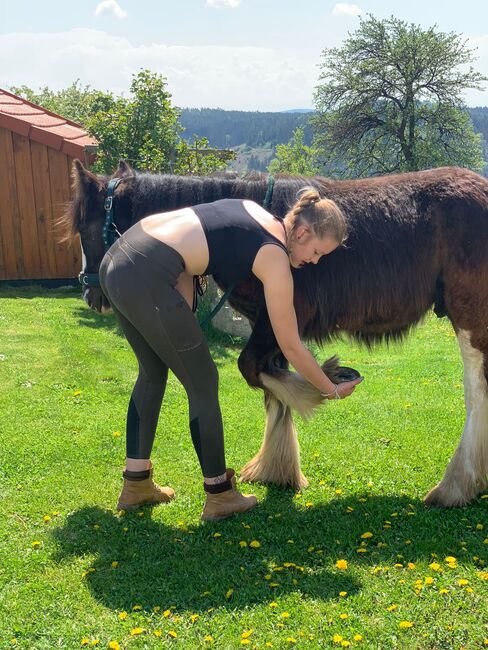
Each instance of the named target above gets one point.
<point>192,568</point>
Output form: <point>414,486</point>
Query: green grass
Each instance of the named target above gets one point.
<point>66,375</point>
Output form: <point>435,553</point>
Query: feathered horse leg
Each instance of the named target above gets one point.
<point>278,460</point>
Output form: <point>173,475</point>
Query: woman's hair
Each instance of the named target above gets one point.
<point>322,216</point>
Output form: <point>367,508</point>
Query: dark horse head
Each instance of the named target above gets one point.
<point>86,216</point>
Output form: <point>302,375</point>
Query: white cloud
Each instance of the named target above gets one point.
<point>345,9</point>
<point>223,4</point>
<point>241,78</point>
<point>110,7</point>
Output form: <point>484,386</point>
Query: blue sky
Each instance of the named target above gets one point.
<point>234,54</point>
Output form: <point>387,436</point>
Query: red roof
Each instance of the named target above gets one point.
<point>28,119</point>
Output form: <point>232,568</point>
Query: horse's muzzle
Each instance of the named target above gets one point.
<point>96,300</point>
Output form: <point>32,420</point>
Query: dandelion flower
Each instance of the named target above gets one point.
<point>194,617</point>
<point>345,643</point>
<point>243,544</point>
<point>366,535</point>
<point>343,616</point>
<point>435,566</point>
<point>255,544</point>
<point>136,631</point>
<point>463,582</point>
<point>229,593</point>
<point>285,615</point>
<point>273,604</point>
<point>337,638</point>
<point>114,565</point>
<point>392,608</point>
<point>85,641</point>
<point>247,633</point>
<point>123,616</point>
<point>36,544</point>
<point>172,634</point>
<point>405,624</point>
<point>342,594</point>
<point>137,608</point>
<point>167,613</point>
<point>341,565</point>
<point>357,637</point>
<point>290,639</point>
<point>114,645</point>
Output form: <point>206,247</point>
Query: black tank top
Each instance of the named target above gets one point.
<point>233,238</point>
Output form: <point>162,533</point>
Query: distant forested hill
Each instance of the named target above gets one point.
<point>254,135</point>
<point>226,129</point>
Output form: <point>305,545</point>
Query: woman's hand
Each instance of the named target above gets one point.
<point>344,389</point>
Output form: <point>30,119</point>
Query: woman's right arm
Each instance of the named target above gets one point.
<point>272,268</point>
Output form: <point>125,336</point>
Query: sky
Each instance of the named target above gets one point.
<point>234,54</point>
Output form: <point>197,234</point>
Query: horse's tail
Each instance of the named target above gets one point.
<point>278,460</point>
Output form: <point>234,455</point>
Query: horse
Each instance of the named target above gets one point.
<point>417,240</point>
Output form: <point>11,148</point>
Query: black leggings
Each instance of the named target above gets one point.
<point>138,275</point>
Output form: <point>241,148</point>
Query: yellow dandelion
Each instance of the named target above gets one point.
<point>114,645</point>
<point>137,608</point>
<point>274,584</point>
<point>357,637</point>
<point>243,544</point>
<point>411,565</point>
<point>46,519</point>
<point>462,582</point>
<point>123,616</point>
<point>229,593</point>
<point>290,639</point>
<point>77,393</point>
<point>366,535</point>
<point>285,615</point>
<point>247,633</point>
<point>36,544</point>
<point>85,641</point>
<point>345,643</point>
<point>435,566</point>
<point>167,613</point>
<point>95,641</point>
<point>116,434</point>
<point>361,550</point>
<point>136,631</point>
<point>342,594</point>
<point>450,559</point>
<point>245,642</point>
<point>443,591</point>
<point>207,638</point>
<point>194,617</point>
<point>255,544</point>
<point>392,608</point>
<point>273,604</point>
<point>217,535</point>
<point>479,526</point>
<point>338,491</point>
<point>343,616</point>
<point>341,565</point>
<point>172,634</point>
<point>114,565</point>
<point>405,624</point>
<point>429,580</point>
<point>337,638</point>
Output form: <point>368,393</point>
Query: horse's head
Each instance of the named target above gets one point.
<point>86,216</point>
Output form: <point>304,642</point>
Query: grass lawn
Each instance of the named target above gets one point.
<point>355,561</point>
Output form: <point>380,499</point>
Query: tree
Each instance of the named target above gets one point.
<point>143,129</point>
<point>391,100</point>
<point>295,157</point>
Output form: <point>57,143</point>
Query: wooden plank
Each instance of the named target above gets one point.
<point>10,234</point>
<point>68,257</point>
<point>27,208</point>
<point>44,211</point>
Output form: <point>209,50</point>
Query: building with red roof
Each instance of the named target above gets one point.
<point>36,151</point>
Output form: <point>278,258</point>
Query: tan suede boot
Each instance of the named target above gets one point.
<point>141,490</point>
<point>224,504</point>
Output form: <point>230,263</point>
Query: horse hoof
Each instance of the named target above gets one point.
<point>442,496</point>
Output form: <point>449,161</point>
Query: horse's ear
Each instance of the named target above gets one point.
<point>82,178</point>
<point>123,170</point>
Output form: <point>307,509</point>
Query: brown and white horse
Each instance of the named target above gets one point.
<point>417,240</point>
